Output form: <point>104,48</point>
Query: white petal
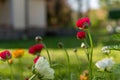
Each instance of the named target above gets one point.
<point>105,63</point>
<point>43,68</point>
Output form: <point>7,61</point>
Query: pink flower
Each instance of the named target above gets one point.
<point>81,35</point>
<point>5,55</point>
<point>36,49</point>
<point>35,60</point>
<point>83,23</point>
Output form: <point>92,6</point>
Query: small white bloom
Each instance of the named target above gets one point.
<point>83,45</point>
<point>105,50</point>
<point>43,68</point>
<point>106,63</point>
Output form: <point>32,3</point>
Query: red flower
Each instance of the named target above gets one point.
<point>83,23</point>
<point>81,35</point>
<point>36,49</point>
<point>5,55</point>
<point>35,60</point>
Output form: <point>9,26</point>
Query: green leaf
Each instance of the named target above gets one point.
<point>57,65</point>
<point>115,37</point>
<point>116,69</point>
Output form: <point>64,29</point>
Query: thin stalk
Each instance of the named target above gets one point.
<point>11,71</point>
<point>20,65</point>
<point>86,49</point>
<point>50,61</point>
<point>108,55</point>
<point>104,75</point>
<point>32,77</point>
<point>77,60</point>
<point>68,59</point>
<point>90,55</point>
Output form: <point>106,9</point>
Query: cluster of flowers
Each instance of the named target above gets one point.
<point>41,66</point>
<point>104,64</point>
<point>107,63</point>
<point>84,34</point>
<point>82,24</point>
<point>6,55</point>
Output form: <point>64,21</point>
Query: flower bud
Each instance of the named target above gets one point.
<point>60,45</point>
<point>105,50</point>
<point>75,50</point>
<point>10,61</point>
<point>85,73</point>
<point>38,38</point>
<point>83,45</point>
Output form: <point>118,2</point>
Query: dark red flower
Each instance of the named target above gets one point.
<point>83,23</point>
<point>5,55</point>
<point>35,60</point>
<point>81,35</point>
<point>36,49</point>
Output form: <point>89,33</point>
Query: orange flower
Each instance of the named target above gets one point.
<point>18,53</point>
<point>82,77</point>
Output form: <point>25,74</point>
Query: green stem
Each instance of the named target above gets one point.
<point>32,77</point>
<point>68,59</point>
<point>77,60</point>
<point>90,55</point>
<point>104,75</point>
<point>20,65</point>
<point>87,53</point>
<point>86,49</point>
<point>11,71</point>
<point>50,61</point>
<point>108,55</point>
<point>48,56</point>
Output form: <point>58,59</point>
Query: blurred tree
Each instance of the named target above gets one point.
<point>110,3</point>
<point>59,14</point>
<point>79,8</point>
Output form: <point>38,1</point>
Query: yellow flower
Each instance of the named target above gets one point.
<point>18,53</point>
<point>10,61</point>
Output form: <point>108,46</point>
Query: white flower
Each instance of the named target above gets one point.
<point>43,68</point>
<point>106,63</point>
<point>105,49</point>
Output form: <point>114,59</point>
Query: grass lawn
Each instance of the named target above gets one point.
<point>57,55</point>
